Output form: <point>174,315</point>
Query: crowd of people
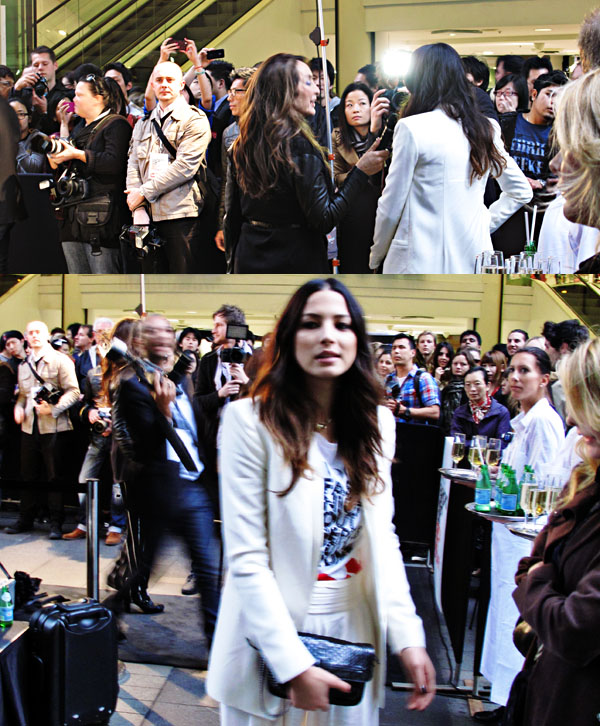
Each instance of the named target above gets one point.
<point>226,168</point>
<point>233,434</point>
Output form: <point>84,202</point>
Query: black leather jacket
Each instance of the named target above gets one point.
<point>285,230</point>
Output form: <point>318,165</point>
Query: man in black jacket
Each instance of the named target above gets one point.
<point>165,492</point>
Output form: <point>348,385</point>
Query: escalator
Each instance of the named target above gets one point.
<point>581,294</point>
<point>131,32</point>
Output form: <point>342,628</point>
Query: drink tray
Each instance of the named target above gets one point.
<point>492,516</point>
<point>521,530</point>
<point>463,474</point>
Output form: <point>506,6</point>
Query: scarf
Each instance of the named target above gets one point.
<point>478,411</point>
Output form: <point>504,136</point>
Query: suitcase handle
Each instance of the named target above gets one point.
<point>84,609</point>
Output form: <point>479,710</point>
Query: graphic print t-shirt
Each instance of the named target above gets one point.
<point>529,146</point>
<point>341,528</point>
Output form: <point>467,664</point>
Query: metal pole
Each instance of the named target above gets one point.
<point>93,589</point>
<point>143,294</point>
<point>323,45</point>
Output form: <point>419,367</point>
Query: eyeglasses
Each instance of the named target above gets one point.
<point>236,91</point>
<point>91,78</point>
<point>506,94</point>
<point>10,84</point>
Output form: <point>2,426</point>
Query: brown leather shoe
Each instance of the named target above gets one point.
<point>113,538</point>
<point>75,534</point>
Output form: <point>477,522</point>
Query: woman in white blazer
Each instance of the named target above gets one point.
<point>431,217</point>
<point>307,510</point>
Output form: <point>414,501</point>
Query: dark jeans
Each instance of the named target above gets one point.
<point>162,499</point>
<point>39,456</point>
<point>195,523</point>
<point>182,241</point>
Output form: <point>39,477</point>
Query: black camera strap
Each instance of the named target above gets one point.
<point>36,374</point>
<point>165,142</point>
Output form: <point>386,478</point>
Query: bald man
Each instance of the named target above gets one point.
<point>45,424</point>
<point>166,151</point>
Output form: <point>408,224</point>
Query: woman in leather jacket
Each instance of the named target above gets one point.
<point>280,202</point>
<point>96,151</point>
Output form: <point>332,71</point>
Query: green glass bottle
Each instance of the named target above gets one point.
<point>483,490</point>
<point>6,608</point>
<point>510,495</point>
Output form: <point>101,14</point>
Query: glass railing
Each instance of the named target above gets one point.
<point>581,293</point>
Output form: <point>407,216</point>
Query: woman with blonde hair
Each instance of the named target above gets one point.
<point>280,201</point>
<point>578,134</point>
<point>558,586</point>
<point>307,521</point>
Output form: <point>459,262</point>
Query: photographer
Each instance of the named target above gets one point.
<point>360,122</point>
<point>47,388</point>
<point>95,415</point>
<point>93,203</point>
<point>28,160</point>
<point>38,84</point>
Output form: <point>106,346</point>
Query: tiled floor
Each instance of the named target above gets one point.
<point>154,695</point>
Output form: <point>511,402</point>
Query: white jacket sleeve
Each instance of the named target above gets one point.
<point>405,154</point>
<point>243,463</point>
<point>404,626</point>
<point>516,190</point>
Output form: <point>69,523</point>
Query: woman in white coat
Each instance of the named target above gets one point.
<point>431,217</point>
<point>307,509</point>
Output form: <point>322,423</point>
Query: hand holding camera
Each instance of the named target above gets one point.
<point>373,160</point>
<point>380,107</point>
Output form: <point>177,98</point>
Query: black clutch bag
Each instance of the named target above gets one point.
<point>352,662</point>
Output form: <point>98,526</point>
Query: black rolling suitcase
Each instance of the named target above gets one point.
<point>75,665</point>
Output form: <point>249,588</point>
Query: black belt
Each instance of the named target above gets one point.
<point>266,225</point>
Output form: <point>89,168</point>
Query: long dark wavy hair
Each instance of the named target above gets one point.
<point>347,131</point>
<point>437,79</point>
<point>289,413</point>
<point>262,153</point>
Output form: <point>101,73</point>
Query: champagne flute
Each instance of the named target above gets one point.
<point>458,448</point>
<point>476,452</point>
<point>493,452</point>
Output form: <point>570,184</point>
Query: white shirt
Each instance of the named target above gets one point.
<point>539,434</point>
<point>571,243</point>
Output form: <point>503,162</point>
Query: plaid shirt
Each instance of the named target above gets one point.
<point>407,396</point>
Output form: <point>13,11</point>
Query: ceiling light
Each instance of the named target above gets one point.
<point>62,32</point>
<point>543,30</point>
<point>487,52</point>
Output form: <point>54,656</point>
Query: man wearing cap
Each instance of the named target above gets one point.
<point>44,425</point>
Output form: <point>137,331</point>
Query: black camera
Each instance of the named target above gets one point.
<point>41,86</point>
<point>233,355</point>
<point>99,427</point>
<point>71,190</point>
<point>236,354</point>
<point>397,99</point>
<point>68,190</point>
<point>48,393</point>
<point>181,367</point>
<point>142,237</point>
<point>45,144</point>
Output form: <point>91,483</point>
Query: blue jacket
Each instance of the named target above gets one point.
<point>495,423</point>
